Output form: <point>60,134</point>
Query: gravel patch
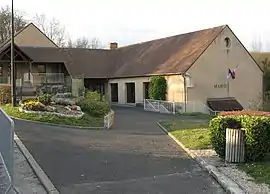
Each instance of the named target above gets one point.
<point>245,181</point>
<point>25,179</point>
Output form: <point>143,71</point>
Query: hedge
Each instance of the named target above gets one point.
<point>245,112</point>
<point>94,104</point>
<point>5,93</point>
<point>257,144</point>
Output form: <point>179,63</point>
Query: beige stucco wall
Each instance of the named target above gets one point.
<point>174,88</point>
<point>212,68</point>
<point>31,36</point>
<point>122,88</point>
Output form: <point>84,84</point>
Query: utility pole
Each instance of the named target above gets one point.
<point>12,64</point>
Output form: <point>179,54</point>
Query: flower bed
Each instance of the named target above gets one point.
<point>44,105</point>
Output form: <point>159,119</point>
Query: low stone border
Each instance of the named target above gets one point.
<point>109,120</point>
<point>43,178</point>
<point>51,113</point>
<point>228,185</point>
<point>106,124</point>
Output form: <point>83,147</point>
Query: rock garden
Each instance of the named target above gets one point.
<point>63,108</point>
<point>60,104</point>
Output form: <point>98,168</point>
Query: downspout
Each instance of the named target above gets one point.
<point>30,70</point>
<point>185,91</point>
<point>108,96</point>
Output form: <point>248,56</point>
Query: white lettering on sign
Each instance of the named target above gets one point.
<point>220,85</point>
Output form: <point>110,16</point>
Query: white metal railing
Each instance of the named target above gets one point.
<point>211,111</point>
<point>159,106</point>
<point>48,78</point>
<point>176,107</point>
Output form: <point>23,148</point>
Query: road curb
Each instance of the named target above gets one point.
<point>45,181</point>
<point>58,125</point>
<point>227,184</point>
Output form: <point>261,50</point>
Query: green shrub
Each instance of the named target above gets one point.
<point>94,96</point>
<point>158,88</point>
<point>34,106</point>
<point>94,105</point>
<point>5,93</point>
<point>257,144</point>
<point>45,99</point>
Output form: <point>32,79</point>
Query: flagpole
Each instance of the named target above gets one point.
<point>12,64</point>
<point>228,88</point>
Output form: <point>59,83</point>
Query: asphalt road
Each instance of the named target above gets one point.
<point>135,157</point>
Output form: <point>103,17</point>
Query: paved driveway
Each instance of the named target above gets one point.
<point>134,157</point>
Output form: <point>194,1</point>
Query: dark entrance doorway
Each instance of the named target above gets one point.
<point>130,92</point>
<point>114,92</point>
<point>146,90</point>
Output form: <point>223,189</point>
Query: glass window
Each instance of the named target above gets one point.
<point>41,69</point>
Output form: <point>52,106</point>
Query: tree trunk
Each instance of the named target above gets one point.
<point>235,146</point>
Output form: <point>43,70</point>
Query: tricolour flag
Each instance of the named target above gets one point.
<point>231,73</point>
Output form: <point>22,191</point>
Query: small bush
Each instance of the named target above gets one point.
<point>94,96</point>
<point>34,106</point>
<point>94,105</point>
<point>257,144</point>
<point>5,93</point>
<point>45,99</point>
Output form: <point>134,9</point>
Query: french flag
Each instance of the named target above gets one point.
<point>231,73</point>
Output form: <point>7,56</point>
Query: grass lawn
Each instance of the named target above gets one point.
<point>260,171</point>
<point>193,134</point>
<point>198,115</point>
<point>85,121</point>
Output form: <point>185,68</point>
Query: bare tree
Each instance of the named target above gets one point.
<point>256,45</point>
<point>5,22</point>
<point>52,28</point>
<point>84,42</point>
<point>95,43</point>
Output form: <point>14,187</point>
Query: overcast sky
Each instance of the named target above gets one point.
<point>128,22</point>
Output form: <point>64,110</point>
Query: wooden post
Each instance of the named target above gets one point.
<point>235,146</point>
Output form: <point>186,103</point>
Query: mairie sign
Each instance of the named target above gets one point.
<point>220,85</point>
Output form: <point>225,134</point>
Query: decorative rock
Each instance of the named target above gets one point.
<point>50,109</point>
<point>68,108</point>
<point>79,108</point>
<point>73,107</point>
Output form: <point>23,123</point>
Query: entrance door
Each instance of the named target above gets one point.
<point>130,92</point>
<point>114,92</point>
<point>146,90</point>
